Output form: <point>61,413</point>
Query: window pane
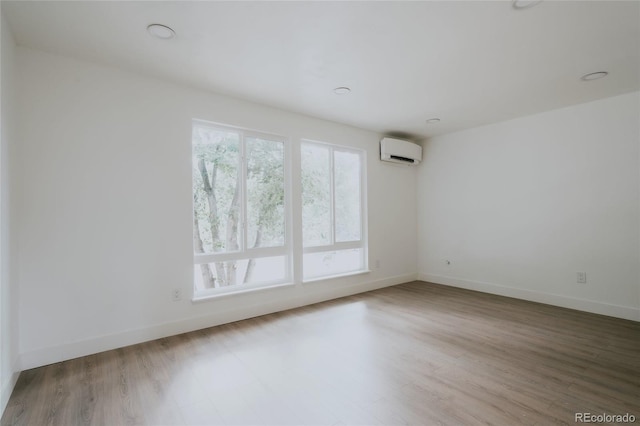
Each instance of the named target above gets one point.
<point>216,195</point>
<point>332,262</point>
<point>265,270</point>
<point>240,272</point>
<point>347,199</point>
<point>265,193</point>
<point>316,195</point>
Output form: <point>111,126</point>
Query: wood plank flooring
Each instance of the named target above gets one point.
<point>416,353</point>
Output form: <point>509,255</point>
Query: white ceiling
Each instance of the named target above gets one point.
<point>468,63</point>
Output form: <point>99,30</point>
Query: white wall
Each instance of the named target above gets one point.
<point>104,208</point>
<point>519,207</point>
<point>8,287</point>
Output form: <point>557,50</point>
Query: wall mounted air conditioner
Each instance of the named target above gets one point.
<point>399,151</point>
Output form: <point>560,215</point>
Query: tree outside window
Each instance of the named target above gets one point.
<point>239,228</point>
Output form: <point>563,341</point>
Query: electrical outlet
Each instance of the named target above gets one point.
<point>176,295</point>
<point>582,277</point>
<point>377,263</point>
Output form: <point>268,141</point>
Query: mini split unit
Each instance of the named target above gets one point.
<point>399,151</point>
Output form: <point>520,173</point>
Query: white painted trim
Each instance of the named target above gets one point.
<point>334,277</point>
<point>7,389</point>
<point>52,354</point>
<point>250,253</point>
<point>624,312</point>
<point>345,245</point>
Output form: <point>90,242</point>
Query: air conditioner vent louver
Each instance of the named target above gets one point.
<point>404,159</point>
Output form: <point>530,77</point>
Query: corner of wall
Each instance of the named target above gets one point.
<point>513,231</point>
<point>9,371</point>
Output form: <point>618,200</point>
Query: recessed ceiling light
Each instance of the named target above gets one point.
<point>594,76</point>
<point>524,4</point>
<point>341,90</point>
<point>433,120</point>
<point>161,31</point>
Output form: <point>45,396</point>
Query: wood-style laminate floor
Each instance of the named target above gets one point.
<point>415,353</point>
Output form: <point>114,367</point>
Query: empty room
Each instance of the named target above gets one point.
<point>319,212</point>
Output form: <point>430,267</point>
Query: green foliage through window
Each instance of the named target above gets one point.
<point>239,204</point>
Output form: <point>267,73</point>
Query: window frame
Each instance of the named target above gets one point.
<point>245,252</point>
<point>334,245</point>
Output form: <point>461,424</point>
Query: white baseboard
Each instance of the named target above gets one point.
<point>6,390</point>
<point>50,355</point>
<point>624,312</point>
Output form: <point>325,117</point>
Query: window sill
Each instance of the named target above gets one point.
<point>221,295</point>
<point>333,277</point>
<point>205,297</point>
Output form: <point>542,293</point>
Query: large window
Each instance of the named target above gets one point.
<point>332,210</point>
<point>240,226</point>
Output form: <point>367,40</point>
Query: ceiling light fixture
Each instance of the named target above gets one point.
<point>341,90</point>
<point>433,120</point>
<point>524,4</point>
<point>161,31</point>
<point>594,76</point>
